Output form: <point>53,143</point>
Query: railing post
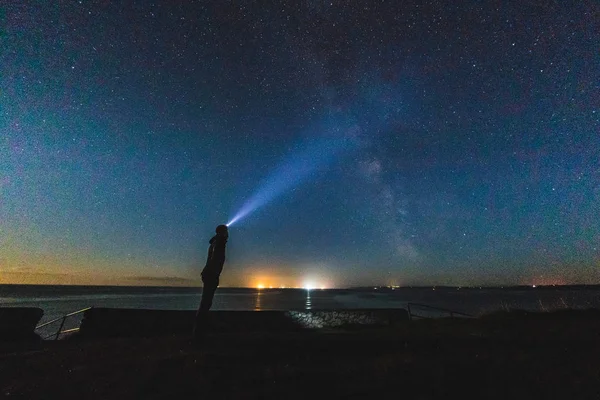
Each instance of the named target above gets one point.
<point>60,328</point>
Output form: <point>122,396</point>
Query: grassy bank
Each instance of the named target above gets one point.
<point>499,356</point>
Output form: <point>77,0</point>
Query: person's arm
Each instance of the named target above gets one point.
<point>208,266</point>
<point>217,258</point>
<point>210,253</point>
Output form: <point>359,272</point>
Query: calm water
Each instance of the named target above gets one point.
<point>59,300</point>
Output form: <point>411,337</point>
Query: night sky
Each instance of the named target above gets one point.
<point>388,142</point>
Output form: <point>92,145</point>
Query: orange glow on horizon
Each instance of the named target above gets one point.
<point>267,282</point>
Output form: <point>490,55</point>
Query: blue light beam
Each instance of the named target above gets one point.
<point>312,157</point>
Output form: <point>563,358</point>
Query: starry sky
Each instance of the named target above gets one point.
<point>383,142</point>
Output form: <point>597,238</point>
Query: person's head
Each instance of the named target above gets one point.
<point>222,231</point>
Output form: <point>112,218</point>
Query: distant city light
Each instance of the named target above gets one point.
<point>267,282</point>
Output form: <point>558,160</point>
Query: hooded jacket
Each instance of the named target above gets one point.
<point>215,259</point>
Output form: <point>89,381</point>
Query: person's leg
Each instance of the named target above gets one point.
<point>208,292</point>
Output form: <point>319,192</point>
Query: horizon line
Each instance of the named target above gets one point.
<point>370,287</point>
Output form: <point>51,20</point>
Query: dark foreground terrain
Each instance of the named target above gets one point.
<point>510,355</point>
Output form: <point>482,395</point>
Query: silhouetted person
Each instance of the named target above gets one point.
<point>210,276</point>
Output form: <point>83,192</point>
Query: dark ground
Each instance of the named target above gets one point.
<point>499,357</point>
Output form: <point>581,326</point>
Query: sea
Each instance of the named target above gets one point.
<point>57,301</point>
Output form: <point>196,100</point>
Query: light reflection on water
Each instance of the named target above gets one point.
<point>257,303</point>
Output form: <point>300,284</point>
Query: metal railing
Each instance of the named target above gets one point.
<point>62,324</point>
<point>452,313</point>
